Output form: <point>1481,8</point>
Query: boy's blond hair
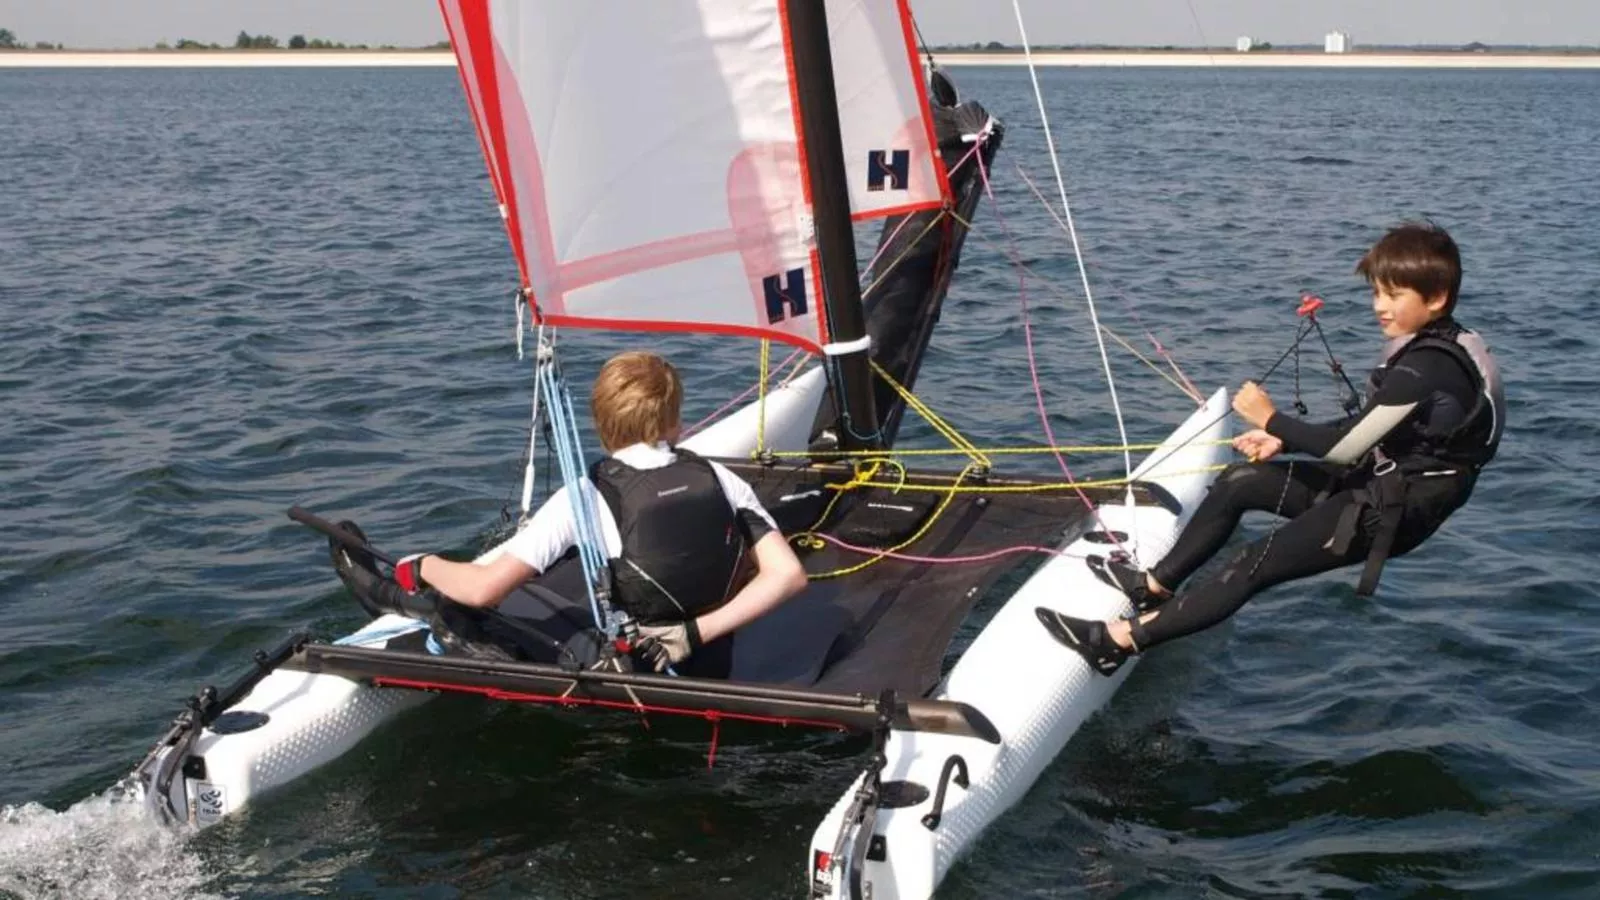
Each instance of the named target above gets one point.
<point>637,398</point>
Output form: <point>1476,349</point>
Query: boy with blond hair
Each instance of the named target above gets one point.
<point>1383,481</point>
<point>676,529</point>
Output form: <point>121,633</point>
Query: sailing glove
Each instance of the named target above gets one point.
<point>660,646</point>
<point>408,573</point>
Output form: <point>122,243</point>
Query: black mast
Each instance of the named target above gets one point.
<point>830,204</point>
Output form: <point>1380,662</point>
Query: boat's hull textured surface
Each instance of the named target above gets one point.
<point>1035,692</point>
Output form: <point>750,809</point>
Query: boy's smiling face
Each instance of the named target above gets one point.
<point>1402,311</point>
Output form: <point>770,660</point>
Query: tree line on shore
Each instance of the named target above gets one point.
<point>245,41</point>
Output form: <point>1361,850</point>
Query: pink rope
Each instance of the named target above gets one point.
<point>946,560</point>
<point>735,401</point>
<point>1033,366</point>
<point>1133,308</point>
<point>884,245</point>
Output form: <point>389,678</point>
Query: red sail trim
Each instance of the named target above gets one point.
<point>644,257</point>
<point>484,61</point>
<point>922,99</point>
<point>805,166</point>
<point>751,331</point>
<point>473,102</point>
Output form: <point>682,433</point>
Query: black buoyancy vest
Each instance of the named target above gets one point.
<point>1464,449</point>
<point>1474,441</point>
<point>681,540</point>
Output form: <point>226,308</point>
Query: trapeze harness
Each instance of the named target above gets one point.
<point>682,541</point>
<point>1452,459</point>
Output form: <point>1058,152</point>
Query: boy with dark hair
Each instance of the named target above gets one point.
<point>1385,479</point>
<point>677,529</point>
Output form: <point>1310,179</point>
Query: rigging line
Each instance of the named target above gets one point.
<point>938,423</point>
<point>761,398</point>
<point>904,254</point>
<point>799,351</point>
<point>1072,231</point>
<point>1033,371</point>
<point>1172,361</point>
<point>1225,413</point>
<point>880,555</point>
<point>921,41</point>
<point>1216,71</point>
<point>1016,260</point>
<point>953,451</point>
<point>1037,488</point>
<point>944,560</point>
<point>528,474</point>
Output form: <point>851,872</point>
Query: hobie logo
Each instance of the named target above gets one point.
<point>888,169</point>
<point>786,295</point>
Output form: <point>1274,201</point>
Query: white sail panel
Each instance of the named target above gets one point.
<point>885,127</point>
<point>648,157</point>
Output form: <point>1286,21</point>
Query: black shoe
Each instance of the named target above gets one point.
<point>1133,583</point>
<point>1089,639</point>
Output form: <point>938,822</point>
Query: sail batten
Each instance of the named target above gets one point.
<point>649,157</point>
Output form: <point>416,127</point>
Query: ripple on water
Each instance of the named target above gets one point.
<point>236,291</point>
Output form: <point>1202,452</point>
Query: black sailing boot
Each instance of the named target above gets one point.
<point>1116,571</point>
<point>1089,639</point>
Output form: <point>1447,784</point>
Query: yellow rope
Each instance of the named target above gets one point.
<point>907,251</point>
<point>809,539</point>
<point>839,491</point>
<point>761,398</point>
<point>933,418</point>
<point>1011,489</point>
<point>1187,390</point>
<point>997,451</point>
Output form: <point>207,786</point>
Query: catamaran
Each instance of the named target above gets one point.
<point>722,201</point>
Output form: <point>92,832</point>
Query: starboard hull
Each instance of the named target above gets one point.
<point>1036,693</point>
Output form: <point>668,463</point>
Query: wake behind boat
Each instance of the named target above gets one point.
<point>727,209</point>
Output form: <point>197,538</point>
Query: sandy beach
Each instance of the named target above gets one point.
<point>50,59</point>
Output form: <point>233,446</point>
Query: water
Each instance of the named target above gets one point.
<point>228,292</point>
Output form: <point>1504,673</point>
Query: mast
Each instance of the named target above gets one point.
<point>830,202</point>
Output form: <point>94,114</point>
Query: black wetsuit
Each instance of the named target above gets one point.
<point>1427,392</point>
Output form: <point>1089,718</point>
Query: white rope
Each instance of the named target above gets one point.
<point>1072,231</point>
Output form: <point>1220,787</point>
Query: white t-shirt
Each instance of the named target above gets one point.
<point>552,529</point>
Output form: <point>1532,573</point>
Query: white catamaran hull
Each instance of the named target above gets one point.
<point>1036,692</point>
<point>311,720</point>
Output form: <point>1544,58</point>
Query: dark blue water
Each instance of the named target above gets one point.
<point>227,292</point>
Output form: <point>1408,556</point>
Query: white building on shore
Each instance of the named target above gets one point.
<point>1245,44</point>
<point>1337,42</point>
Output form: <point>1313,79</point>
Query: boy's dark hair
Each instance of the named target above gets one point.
<point>1417,255</point>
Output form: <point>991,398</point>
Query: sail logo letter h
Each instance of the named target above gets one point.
<point>893,166</point>
<point>787,297</point>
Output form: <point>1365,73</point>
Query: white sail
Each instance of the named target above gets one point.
<point>649,161</point>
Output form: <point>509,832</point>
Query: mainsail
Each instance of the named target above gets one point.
<point>649,159</point>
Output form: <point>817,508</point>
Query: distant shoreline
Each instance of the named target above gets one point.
<point>150,59</point>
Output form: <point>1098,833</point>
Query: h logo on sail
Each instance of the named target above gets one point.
<point>891,166</point>
<point>785,297</point>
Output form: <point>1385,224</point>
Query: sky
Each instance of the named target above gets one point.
<point>141,23</point>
